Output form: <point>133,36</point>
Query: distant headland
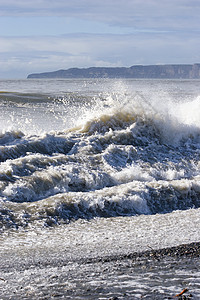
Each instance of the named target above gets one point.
<point>171,71</point>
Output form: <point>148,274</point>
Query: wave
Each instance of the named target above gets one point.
<point>122,200</point>
<point>124,154</point>
<point>118,163</point>
<point>168,126</point>
<point>23,99</point>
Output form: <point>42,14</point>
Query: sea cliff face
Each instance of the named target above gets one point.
<point>138,71</point>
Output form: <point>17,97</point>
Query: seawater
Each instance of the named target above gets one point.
<point>97,168</point>
<point>89,148</point>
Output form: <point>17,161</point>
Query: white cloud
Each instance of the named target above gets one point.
<point>152,31</point>
<point>39,54</point>
<point>173,14</point>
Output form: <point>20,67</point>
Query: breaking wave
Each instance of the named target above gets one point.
<point>128,159</point>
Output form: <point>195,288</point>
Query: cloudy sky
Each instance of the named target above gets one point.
<point>47,35</point>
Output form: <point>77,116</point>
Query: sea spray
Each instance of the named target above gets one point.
<point>121,149</point>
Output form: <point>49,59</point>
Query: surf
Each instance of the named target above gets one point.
<point>126,153</point>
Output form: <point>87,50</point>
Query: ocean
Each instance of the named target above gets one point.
<point>93,168</point>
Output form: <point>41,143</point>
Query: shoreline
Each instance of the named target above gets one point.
<point>154,274</point>
<point>141,257</point>
<point>160,274</point>
<point>190,250</point>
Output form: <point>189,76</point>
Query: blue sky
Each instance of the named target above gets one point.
<point>47,35</point>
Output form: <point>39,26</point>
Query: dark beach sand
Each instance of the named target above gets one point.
<point>152,274</point>
<point>145,257</point>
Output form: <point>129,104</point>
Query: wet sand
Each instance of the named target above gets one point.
<point>145,257</point>
<point>153,274</point>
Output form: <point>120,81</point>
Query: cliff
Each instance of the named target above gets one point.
<point>138,71</point>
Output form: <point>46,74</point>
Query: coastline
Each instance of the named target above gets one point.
<point>191,250</point>
<point>83,260</point>
<point>168,273</point>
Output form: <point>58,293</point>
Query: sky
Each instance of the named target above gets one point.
<point>48,35</point>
